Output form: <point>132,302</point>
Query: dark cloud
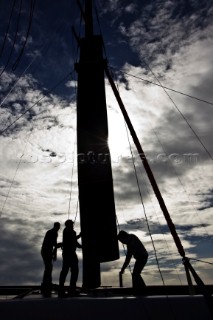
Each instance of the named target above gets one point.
<point>207,201</point>
<point>156,31</point>
<point>20,260</point>
<point>5,182</point>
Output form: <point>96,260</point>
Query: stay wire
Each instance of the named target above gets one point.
<point>141,199</point>
<point>124,249</point>
<point>47,45</point>
<point>76,48</point>
<point>32,7</point>
<point>144,210</point>
<point>16,82</point>
<point>161,230</point>
<point>154,207</point>
<point>184,189</point>
<point>201,261</point>
<point>99,25</point>
<point>14,41</point>
<point>118,225</point>
<point>76,213</point>
<point>178,177</point>
<point>147,222</point>
<point>185,119</point>
<point>17,168</point>
<point>8,27</point>
<point>30,64</point>
<point>79,35</point>
<point>160,85</point>
<point>71,184</point>
<point>155,251</point>
<point>39,100</point>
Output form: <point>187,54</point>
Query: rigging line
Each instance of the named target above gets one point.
<point>14,41</point>
<point>79,35</point>
<point>100,29</point>
<point>144,210</point>
<point>12,182</point>
<point>150,234</point>
<point>146,166</point>
<point>147,222</point>
<point>155,188</point>
<point>25,70</point>
<point>73,77</point>
<point>47,45</point>
<point>39,100</point>
<point>162,232</point>
<point>140,194</point>
<point>32,7</point>
<point>201,261</point>
<point>76,213</point>
<point>75,48</point>
<point>185,119</point>
<point>8,27</point>
<point>156,213</point>
<point>179,179</point>
<point>31,63</point>
<point>124,249</point>
<point>160,85</point>
<point>71,182</point>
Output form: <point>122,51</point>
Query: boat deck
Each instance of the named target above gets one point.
<point>104,304</point>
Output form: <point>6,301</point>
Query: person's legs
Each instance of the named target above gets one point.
<point>62,278</point>
<point>74,273</point>
<point>47,276</point>
<point>138,283</point>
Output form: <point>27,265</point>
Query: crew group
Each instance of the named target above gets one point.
<point>69,245</point>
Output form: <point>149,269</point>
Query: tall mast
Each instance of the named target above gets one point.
<point>96,197</point>
<point>88,19</point>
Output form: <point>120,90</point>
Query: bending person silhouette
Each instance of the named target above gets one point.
<point>136,249</point>
<point>70,259</point>
<point>49,254</point>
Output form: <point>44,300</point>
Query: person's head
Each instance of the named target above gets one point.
<point>123,236</point>
<point>56,226</point>
<point>69,224</point>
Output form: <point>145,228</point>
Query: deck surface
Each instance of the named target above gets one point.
<point>104,305</point>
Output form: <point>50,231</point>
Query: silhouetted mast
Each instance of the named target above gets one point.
<point>96,196</point>
<point>88,19</point>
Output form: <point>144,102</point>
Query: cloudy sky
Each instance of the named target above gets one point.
<point>168,43</point>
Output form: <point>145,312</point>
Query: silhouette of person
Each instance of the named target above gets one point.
<point>70,259</point>
<point>136,249</point>
<point>49,254</point>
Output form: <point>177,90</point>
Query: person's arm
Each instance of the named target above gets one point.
<point>55,253</point>
<point>56,246</point>
<point>78,236</point>
<point>127,261</point>
<point>59,244</point>
<point>78,245</point>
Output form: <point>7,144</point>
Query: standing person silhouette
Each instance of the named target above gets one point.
<point>136,249</point>
<point>49,254</point>
<point>70,259</point>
